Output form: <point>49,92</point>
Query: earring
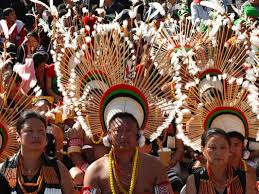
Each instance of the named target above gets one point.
<point>106,141</point>
<point>246,154</point>
<point>141,139</point>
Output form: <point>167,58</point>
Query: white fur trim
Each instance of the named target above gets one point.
<point>246,154</point>
<point>229,123</point>
<point>106,141</point>
<point>121,105</point>
<point>142,139</point>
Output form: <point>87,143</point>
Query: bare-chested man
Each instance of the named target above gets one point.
<point>125,169</point>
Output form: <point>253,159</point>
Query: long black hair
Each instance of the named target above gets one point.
<point>28,114</point>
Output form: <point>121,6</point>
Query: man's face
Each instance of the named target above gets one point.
<point>123,132</point>
<point>236,148</point>
<point>11,17</point>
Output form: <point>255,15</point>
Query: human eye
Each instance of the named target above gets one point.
<point>115,131</point>
<point>128,130</point>
<point>27,131</point>
<point>212,147</point>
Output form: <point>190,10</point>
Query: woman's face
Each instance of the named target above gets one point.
<point>33,135</point>
<point>216,150</point>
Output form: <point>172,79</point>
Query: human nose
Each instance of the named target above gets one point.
<point>218,152</point>
<point>232,149</point>
<point>122,134</point>
<point>36,135</point>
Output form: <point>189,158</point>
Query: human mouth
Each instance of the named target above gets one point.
<point>36,142</point>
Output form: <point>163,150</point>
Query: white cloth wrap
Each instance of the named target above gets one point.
<point>123,105</point>
<point>229,123</point>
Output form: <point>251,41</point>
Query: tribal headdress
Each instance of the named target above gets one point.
<point>183,46</point>
<point>220,50</point>
<point>10,109</point>
<point>214,77</point>
<point>230,109</point>
<point>105,79</point>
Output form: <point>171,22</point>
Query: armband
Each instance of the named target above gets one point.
<point>73,149</point>
<point>88,190</point>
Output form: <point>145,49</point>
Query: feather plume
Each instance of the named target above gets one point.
<point>52,9</point>
<point>236,10</point>
<point>112,65</point>
<point>214,5</point>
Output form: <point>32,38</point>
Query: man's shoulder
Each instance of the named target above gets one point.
<point>99,164</point>
<point>150,160</point>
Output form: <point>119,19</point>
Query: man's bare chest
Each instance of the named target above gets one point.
<point>143,185</point>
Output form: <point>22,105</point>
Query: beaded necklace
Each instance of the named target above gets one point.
<point>39,182</point>
<point>112,174</point>
<point>232,184</point>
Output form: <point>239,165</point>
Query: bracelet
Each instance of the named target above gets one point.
<point>88,190</point>
<point>73,149</point>
<point>75,142</point>
<point>84,166</point>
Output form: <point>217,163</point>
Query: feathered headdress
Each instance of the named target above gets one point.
<point>10,109</point>
<point>212,69</point>
<point>230,109</point>
<point>195,54</point>
<point>220,91</point>
<point>106,80</point>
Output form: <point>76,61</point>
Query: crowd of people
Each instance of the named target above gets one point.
<point>132,97</point>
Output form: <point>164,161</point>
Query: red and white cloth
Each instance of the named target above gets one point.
<point>15,33</point>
